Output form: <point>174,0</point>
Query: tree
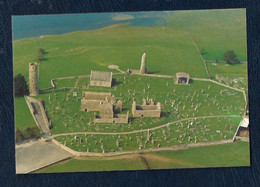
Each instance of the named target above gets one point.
<point>20,86</point>
<point>18,135</point>
<point>31,132</point>
<point>41,53</point>
<point>230,57</point>
<point>203,51</point>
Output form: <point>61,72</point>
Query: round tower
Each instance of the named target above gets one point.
<point>143,69</point>
<point>33,79</point>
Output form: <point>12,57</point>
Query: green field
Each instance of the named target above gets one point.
<point>23,116</point>
<point>120,45</point>
<point>235,154</point>
<point>214,30</point>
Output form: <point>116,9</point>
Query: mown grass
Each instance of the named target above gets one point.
<point>226,155</point>
<point>225,70</point>
<point>214,30</point>
<point>23,116</point>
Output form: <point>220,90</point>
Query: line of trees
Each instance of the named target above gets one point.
<point>41,53</point>
<point>29,132</point>
<point>230,57</point>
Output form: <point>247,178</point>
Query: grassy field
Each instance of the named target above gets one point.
<point>23,116</point>
<point>214,30</point>
<point>168,51</point>
<point>235,154</point>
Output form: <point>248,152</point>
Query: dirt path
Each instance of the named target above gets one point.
<point>207,71</point>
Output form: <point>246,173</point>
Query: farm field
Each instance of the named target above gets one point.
<point>234,154</point>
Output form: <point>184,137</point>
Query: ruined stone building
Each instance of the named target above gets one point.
<point>182,78</point>
<point>143,68</point>
<point>106,105</point>
<point>33,79</point>
<point>91,100</point>
<point>101,78</point>
<point>146,110</point>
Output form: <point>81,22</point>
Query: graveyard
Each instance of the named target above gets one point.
<point>198,112</point>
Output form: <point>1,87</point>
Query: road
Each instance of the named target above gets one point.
<point>37,154</point>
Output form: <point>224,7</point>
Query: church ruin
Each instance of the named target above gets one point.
<point>182,78</point>
<point>143,68</point>
<point>146,110</point>
<point>105,103</point>
<point>101,78</point>
<point>33,79</point>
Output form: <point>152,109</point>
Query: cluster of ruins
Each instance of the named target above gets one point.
<point>105,103</point>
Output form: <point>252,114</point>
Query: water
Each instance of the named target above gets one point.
<point>37,25</point>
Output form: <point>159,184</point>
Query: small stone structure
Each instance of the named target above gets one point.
<point>106,105</point>
<point>33,79</point>
<point>146,110</point>
<point>143,68</point>
<point>75,94</point>
<point>243,129</point>
<point>182,78</point>
<point>101,78</point>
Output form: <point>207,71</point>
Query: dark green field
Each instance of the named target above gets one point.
<point>235,154</point>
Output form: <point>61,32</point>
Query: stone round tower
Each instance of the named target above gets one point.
<point>33,79</point>
<point>143,69</point>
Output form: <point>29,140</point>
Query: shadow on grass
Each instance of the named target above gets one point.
<point>115,82</point>
<point>153,72</point>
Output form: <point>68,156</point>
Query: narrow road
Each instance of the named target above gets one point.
<point>38,114</point>
<point>144,130</point>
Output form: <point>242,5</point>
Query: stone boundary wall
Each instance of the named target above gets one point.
<point>175,147</point>
<point>45,118</point>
